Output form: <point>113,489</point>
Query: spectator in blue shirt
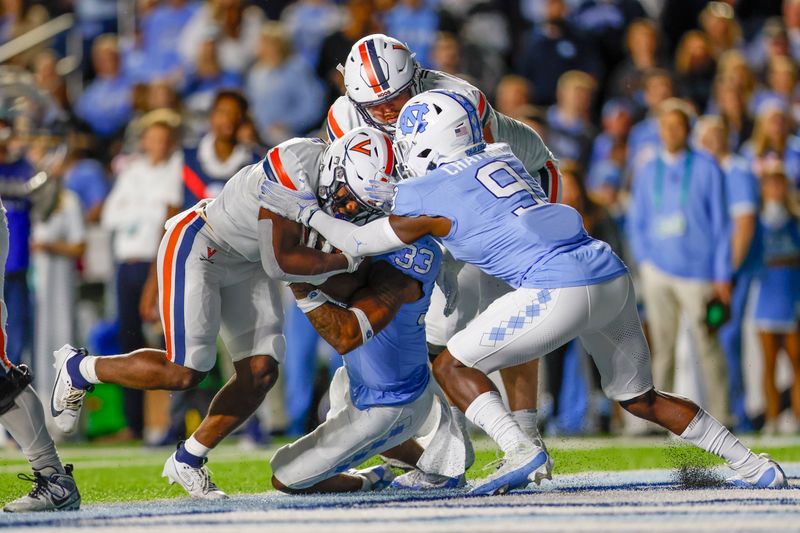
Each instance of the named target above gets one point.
<point>87,179</point>
<point>286,97</point>
<point>711,135</point>
<point>551,49</point>
<point>161,29</point>
<point>607,161</point>
<point>308,23</point>
<point>644,140</point>
<point>415,23</point>
<point>570,127</point>
<point>680,237</point>
<point>106,104</point>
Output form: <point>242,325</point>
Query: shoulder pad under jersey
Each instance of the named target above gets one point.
<point>287,162</point>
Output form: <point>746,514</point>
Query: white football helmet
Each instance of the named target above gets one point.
<point>378,69</point>
<point>349,164</point>
<point>436,127</point>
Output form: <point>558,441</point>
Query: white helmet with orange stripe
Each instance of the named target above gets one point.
<point>295,162</point>
<point>378,69</point>
<point>350,163</point>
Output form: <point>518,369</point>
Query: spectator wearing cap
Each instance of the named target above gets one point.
<point>570,126</point>
<point>134,213</point>
<point>607,162</point>
<point>235,28</point>
<point>772,139</point>
<point>777,303</point>
<point>644,139</point>
<point>553,48</point>
<point>711,135</point>
<point>772,41</point>
<point>285,94</point>
<point>106,104</point>
<point>718,22</point>
<point>680,237</point>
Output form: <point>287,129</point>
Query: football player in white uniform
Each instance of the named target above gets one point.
<point>380,76</point>
<point>219,264</point>
<point>384,394</point>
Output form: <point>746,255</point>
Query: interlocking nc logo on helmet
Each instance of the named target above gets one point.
<point>413,118</point>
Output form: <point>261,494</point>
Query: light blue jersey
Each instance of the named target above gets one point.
<point>392,368</point>
<point>503,224</point>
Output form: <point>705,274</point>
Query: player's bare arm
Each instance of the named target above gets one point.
<point>386,291</point>
<point>291,256</point>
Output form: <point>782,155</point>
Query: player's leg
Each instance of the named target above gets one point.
<point>252,317</point>
<point>323,460</point>
<point>521,381</point>
<point>523,325</point>
<point>616,342</point>
<point>190,315</point>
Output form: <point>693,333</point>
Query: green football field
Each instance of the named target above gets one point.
<point>132,472</point>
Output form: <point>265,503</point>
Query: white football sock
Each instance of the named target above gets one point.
<point>193,446</point>
<point>704,431</point>
<point>527,418</point>
<point>489,413</point>
<point>88,370</point>
<point>26,424</point>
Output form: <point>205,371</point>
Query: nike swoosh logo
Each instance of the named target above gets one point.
<point>53,410</point>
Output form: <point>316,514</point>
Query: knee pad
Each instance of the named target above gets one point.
<point>16,379</point>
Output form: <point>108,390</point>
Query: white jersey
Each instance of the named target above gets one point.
<point>233,215</point>
<point>526,144</point>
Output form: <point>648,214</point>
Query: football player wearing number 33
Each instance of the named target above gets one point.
<point>482,205</point>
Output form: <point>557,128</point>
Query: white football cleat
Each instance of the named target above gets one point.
<point>518,469</point>
<point>56,492</point>
<point>769,476</point>
<point>419,480</point>
<point>547,473</point>
<point>66,400</point>
<point>196,481</point>
<point>378,477</point>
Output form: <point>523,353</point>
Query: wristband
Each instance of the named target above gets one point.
<point>363,323</point>
<point>313,299</point>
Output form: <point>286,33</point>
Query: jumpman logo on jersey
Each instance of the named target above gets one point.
<point>413,119</point>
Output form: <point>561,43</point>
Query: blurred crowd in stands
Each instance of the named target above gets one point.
<point>674,121</point>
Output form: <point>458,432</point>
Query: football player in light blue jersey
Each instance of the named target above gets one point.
<point>384,395</point>
<point>481,204</point>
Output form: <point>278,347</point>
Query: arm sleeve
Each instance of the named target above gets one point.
<point>374,238</point>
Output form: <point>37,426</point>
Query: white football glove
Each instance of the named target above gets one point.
<point>381,194</point>
<point>447,280</point>
<point>299,205</point>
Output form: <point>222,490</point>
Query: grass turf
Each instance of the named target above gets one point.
<point>128,473</point>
